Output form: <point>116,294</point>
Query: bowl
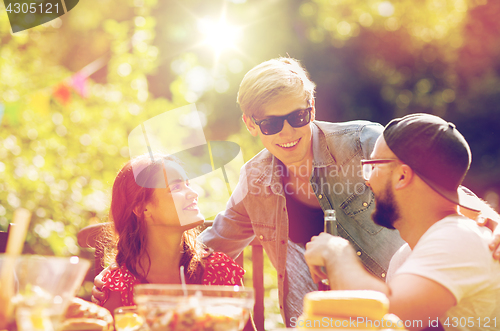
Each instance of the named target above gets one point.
<point>43,288</point>
<point>127,318</point>
<point>194,307</point>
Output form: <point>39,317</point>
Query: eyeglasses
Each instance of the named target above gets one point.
<point>367,166</point>
<point>273,125</point>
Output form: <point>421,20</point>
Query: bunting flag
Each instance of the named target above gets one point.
<point>62,93</point>
<point>79,84</point>
<point>12,112</point>
<point>40,102</point>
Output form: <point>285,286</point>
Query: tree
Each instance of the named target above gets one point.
<point>379,60</point>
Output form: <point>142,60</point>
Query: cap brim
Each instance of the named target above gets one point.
<point>462,196</point>
<point>469,200</point>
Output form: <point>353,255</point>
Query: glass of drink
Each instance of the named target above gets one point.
<point>43,288</point>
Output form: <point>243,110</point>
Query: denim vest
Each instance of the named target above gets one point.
<point>257,206</point>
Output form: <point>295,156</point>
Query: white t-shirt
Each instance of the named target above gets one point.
<point>396,261</point>
<point>454,253</point>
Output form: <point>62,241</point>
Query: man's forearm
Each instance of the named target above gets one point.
<point>230,233</point>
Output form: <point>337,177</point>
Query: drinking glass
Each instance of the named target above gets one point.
<point>43,289</point>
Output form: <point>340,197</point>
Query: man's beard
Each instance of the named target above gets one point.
<point>386,211</point>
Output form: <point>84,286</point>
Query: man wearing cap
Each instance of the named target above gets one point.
<point>415,172</point>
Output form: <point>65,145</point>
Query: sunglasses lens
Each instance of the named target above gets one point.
<point>299,118</point>
<point>271,126</point>
<point>296,119</point>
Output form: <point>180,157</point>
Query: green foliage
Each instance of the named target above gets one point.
<point>416,51</point>
<point>61,150</point>
<point>378,60</point>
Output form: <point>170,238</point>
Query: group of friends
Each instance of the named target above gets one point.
<point>406,226</point>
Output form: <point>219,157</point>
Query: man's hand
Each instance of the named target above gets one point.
<point>344,269</point>
<point>314,256</point>
<point>98,295</point>
<point>495,244</point>
<point>487,216</point>
<point>493,226</point>
<point>321,251</point>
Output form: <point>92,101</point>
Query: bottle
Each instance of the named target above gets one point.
<point>330,222</point>
<point>331,228</point>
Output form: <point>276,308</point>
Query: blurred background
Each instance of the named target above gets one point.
<point>72,89</point>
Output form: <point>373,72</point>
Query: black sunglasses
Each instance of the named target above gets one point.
<point>273,125</point>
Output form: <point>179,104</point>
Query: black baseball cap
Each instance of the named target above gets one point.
<point>436,151</point>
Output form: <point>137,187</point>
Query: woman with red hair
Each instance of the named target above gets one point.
<point>155,216</point>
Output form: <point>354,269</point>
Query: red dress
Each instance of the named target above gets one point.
<point>220,269</point>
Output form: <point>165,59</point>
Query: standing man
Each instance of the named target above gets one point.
<point>306,167</point>
<point>415,172</point>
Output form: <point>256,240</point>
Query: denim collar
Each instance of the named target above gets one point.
<point>271,172</point>
<point>321,154</point>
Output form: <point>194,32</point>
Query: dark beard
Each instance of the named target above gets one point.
<point>386,211</point>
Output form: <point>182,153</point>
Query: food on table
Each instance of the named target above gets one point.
<point>36,311</point>
<point>369,304</point>
<point>128,321</point>
<point>360,309</point>
<point>85,324</point>
<point>85,315</point>
<point>194,314</point>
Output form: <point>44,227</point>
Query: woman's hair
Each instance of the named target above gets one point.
<point>126,241</point>
<point>271,80</point>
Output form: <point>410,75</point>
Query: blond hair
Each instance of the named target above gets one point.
<point>270,80</point>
